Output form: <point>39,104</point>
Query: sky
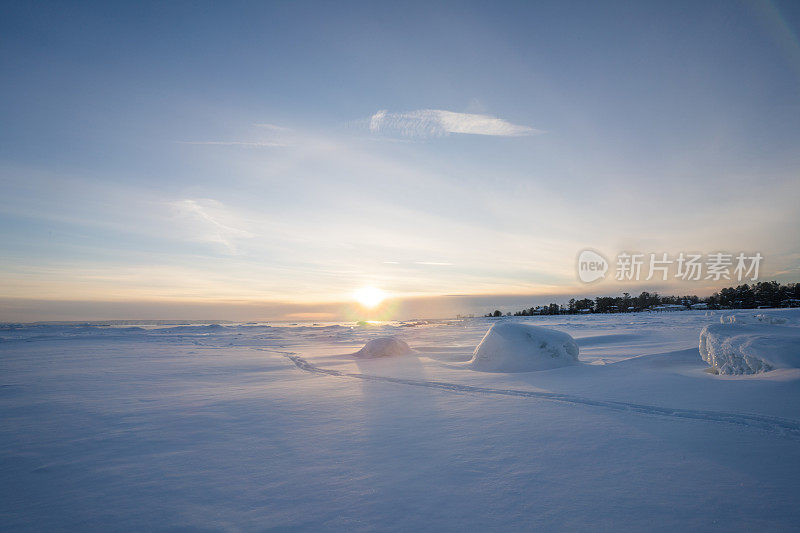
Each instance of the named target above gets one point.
<point>266,160</point>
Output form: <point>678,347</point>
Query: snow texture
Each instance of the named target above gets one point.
<point>735,347</point>
<point>516,347</point>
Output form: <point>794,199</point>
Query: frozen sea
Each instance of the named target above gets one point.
<point>261,427</point>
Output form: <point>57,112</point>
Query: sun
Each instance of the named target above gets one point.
<point>369,297</point>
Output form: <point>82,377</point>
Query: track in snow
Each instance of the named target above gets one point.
<point>782,426</point>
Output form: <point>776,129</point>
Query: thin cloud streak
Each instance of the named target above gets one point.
<point>273,127</point>
<point>214,230</point>
<point>252,144</point>
<point>440,123</point>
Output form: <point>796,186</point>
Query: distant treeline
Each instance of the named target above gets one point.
<point>762,294</point>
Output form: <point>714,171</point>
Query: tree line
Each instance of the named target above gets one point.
<point>761,294</point>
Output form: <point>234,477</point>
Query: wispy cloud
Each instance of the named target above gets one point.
<point>251,144</point>
<point>438,123</point>
<point>273,127</point>
<point>215,226</point>
<point>425,263</point>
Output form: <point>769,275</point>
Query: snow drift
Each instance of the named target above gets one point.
<point>737,348</point>
<point>384,347</point>
<point>515,347</point>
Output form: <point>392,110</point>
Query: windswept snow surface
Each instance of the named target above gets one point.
<point>734,347</point>
<point>515,347</point>
<point>253,427</point>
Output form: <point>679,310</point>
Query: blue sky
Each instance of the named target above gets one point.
<point>282,155</point>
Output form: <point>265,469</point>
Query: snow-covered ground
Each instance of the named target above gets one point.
<point>252,427</point>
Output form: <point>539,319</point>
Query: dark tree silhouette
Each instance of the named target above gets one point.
<point>761,294</point>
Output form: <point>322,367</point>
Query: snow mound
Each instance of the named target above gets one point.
<point>515,347</point>
<point>769,319</point>
<point>732,319</point>
<point>736,348</point>
<point>384,347</point>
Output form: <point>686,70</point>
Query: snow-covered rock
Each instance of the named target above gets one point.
<point>384,347</point>
<point>515,347</point>
<point>736,348</point>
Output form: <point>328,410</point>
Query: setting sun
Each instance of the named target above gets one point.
<point>369,297</point>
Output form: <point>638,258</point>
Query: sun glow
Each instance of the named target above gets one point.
<point>369,297</point>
